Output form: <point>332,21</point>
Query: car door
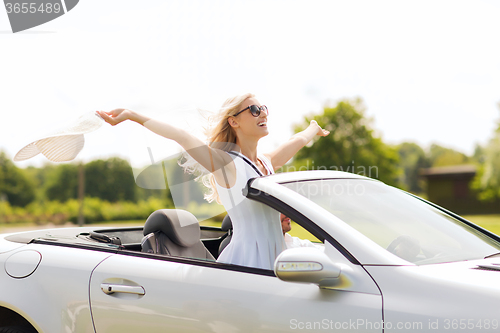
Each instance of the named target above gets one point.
<point>134,292</point>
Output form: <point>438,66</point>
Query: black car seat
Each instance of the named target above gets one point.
<point>174,232</point>
<point>227,226</point>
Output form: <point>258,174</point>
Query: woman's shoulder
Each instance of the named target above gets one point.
<point>266,158</point>
<point>266,155</point>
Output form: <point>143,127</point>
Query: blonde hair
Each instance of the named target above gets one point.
<point>220,135</point>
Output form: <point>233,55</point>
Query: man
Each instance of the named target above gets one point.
<point>290,241</point>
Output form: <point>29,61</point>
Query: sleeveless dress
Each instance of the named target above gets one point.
<point>257,234</point>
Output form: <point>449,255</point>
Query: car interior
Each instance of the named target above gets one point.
<point>171,232</point>
<point>166,232</point>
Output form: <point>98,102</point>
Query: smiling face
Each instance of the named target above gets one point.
<point>246,124</point>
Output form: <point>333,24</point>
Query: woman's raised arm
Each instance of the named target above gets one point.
<point>286,151</point>
<point>214,160</point>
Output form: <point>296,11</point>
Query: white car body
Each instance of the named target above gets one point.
<point>57,280</point>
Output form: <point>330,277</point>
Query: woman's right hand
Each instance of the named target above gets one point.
<point>116,116</point>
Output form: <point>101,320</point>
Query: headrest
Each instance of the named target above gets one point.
<point>227,224</point>
<point>180,226</point>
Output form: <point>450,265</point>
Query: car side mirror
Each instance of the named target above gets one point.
<point>307,265</point>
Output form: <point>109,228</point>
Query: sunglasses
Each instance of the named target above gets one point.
<point>255,110</point>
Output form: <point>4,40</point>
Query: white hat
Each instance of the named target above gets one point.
<point>62,145</point>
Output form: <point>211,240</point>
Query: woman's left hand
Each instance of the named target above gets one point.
<point>320,131</point>
<point>286,151</point>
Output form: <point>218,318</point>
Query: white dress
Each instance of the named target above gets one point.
<point>257,234</point>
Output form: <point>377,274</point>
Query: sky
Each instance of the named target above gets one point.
<point>427,71</point>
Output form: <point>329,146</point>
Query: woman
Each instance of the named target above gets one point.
<point>232,159</point>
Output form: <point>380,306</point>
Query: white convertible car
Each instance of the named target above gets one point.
<point>391,262</point>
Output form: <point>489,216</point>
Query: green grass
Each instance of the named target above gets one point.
<point>17,226</point>
<point>489,222</point>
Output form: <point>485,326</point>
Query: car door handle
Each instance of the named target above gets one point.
<point>109,289</point>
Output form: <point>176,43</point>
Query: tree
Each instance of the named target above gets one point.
<point>110,180</point>
<point>479,154</point>
<point>352,145</point>
<point>487,180</point>
<point>39,176</point>
<point>441,156</point>
<point>15,186</point>
<point>412,158</point>
<point>62,182</point>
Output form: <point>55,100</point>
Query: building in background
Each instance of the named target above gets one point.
<point>450,188</point>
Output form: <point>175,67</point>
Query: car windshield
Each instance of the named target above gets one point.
<point>397,221</point>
